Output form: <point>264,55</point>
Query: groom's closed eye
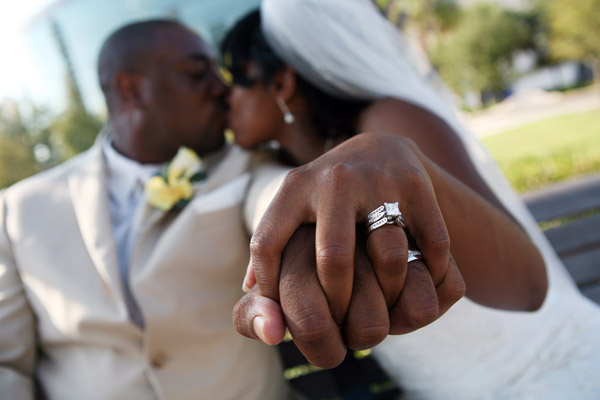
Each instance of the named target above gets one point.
<point>198,68</point>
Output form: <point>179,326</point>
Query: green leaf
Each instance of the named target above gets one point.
<point>198,176</point>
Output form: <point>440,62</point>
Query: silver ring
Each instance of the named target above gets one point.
<point>414,255</point>
<point>388,213</point>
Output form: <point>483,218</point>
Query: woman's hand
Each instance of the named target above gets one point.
<point>337,191</point>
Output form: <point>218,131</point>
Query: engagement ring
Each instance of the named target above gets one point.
<point>388,213</point>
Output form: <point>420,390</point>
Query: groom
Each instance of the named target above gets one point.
<point>103,296</point>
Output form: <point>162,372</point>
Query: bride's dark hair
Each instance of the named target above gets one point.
<point>245,43</point>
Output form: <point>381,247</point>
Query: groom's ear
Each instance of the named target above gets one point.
<point>284,83</point>
<point>127,87</point>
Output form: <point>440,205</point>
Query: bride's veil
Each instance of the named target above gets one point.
<point>348,49</point>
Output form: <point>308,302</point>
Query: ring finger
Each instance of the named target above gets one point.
<point>387,246</point>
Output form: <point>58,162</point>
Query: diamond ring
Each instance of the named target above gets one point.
<point>388,213</point>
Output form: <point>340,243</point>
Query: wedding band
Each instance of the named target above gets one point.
<point>376,225</point>
<point>388,213</point>
<point>414,255</point>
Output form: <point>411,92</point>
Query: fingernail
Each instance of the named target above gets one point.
<point>245,286</point>
<point>259,328</point>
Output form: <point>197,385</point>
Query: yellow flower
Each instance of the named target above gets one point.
<point>173,187</point>
<point>185,165</point>
<point>224,73</point>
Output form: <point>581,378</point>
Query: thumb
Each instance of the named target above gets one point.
<point>258,317</point>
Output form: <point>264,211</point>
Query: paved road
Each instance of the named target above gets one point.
<point>529,107</point>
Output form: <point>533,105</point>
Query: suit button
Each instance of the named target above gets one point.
<point>158,360</point>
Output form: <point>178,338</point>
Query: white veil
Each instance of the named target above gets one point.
<point>348,49</point>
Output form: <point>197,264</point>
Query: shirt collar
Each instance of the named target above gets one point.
<point>126,167</point>
<point>125,174</point>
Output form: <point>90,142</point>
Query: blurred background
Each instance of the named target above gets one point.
<point>526,74</point>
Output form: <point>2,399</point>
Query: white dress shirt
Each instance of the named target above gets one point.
<point>125,180</point>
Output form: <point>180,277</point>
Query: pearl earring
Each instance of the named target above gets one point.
<point>288,117</point>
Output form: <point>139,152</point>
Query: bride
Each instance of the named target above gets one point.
<point>309,74</point>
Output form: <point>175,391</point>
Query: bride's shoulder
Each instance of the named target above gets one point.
<point>397,116</point>
<point>385,105</point>
<point>430,133</point>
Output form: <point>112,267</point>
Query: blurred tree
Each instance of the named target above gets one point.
<point>32,139</point>
<point>537,22</point>
<point>393,10</point>
<point>427,19</point>
<point>75,129</point>
<point>431,18</point>
<point>477,55</point>
<point>30,144</point>
<point>17,159</point>
<point>575,31</point>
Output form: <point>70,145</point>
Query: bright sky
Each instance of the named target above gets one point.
<point>15,63</point>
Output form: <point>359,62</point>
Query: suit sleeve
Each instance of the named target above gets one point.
<point>17,329</point>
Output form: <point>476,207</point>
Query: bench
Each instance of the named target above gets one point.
<point>569,215</point>
<point>358,377</point>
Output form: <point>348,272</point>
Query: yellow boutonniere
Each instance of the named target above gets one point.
<point>172,188</point>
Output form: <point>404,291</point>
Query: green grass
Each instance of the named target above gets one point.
<point>548,151</point>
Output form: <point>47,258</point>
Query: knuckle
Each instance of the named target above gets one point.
<point>242,325</point>
<point>422,314</point>
<point>408,142</point>
<point>294,177</point>
<point>388,259</point>
<point>261,244</point>
<point>310,329</point>
<point>342,171</point>
<point>368,335</point>
<point>327,358</point>
<point>437,246</point>
<point>237,310</point>
<point>440,241</point>
<point>337,177</point>
<point>456,290</point>
<point>330,258</point>
<point>415,177</point>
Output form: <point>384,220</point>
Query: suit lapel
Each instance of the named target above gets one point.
<point>145,218</point>
<point>228,164</point>
<point>88,190</point>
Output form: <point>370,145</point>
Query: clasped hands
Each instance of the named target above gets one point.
<point>318,273</point>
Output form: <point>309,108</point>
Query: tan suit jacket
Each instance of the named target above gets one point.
<point>61,294</point>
